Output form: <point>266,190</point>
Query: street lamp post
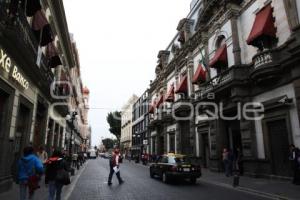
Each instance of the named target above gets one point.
<point>70,118</point>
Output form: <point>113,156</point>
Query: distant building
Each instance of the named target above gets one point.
<point>126,124</point>
<point>140,120</point>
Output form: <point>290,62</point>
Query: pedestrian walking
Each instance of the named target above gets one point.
<point>30,169</point>
<point>114,167</point>
<point>75,160</point>
<point>238,161</point>
<point>129,156</point>
<point>294,157</point>
<point>56,175</point>
<point>226,161</point>
<point>42,154</point>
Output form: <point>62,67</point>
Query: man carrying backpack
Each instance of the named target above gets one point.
<point>56,175</point>
<point>114,167</point>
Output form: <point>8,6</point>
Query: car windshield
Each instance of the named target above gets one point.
<point>179,160</point>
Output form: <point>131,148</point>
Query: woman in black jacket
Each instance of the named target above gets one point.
<point>55,166</point>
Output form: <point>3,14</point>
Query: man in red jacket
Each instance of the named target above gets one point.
<point>114,167</point>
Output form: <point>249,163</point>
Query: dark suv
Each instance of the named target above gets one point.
<point>176,166</point>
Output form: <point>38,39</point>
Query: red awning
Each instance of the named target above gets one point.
<point>51,50</point>
<point>46,37</point>
<point>200,74</point>
<point>263,26</point>
<point>160,101</point>
<point>220,58</point>
<point>183,86</point>
<point>152,107</point>
<point>181,38</point>
<point>170,95</point>
<point>39,20</point>
<point>54,61</point>
<point>51,53</point>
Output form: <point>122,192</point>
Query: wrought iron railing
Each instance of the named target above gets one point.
<point>263,58</point>
<point>233,73</point>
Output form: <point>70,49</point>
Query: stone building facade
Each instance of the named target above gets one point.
<point>229,57</point>
<point>36,60</point>
<point>126,125</point>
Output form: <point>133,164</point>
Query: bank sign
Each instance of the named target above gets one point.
<point>12,70</point>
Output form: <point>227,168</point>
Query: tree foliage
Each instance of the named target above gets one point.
<point>109,143</point>
<point>114,121</point>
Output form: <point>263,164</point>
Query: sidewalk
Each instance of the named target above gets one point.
<point>273,189</point>
<point>40,194</point>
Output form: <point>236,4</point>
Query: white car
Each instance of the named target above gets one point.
<point>92,154</point>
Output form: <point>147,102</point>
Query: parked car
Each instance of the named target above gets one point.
<point>175,166</point>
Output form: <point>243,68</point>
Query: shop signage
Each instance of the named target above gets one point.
<point>145,142</point>
<point>8,67</point>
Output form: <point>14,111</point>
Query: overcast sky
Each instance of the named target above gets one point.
<point>118,43</point>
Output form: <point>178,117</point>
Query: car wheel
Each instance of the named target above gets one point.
<point>193,180</point>
<point>151,173</point>
<point>165,178</point>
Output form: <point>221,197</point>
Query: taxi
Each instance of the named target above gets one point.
<point>171,166</point>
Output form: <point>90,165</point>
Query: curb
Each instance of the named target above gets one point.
<point>248,190</point>
<point>68,190</point>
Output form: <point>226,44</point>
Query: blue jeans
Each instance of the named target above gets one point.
<point>55,190</point>
<point>24,192</point>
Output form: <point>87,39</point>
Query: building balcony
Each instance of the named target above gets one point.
<point>167,115</point>
<point>224,84</point>
<point>266,67</point>
<point>16,34</point>
<point>156,119</point>
<point>182,107</point>
<point>60,96</point>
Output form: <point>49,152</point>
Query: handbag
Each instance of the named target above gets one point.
<point>33,183</point>
<point>63,177</point>
<point>33,180</point>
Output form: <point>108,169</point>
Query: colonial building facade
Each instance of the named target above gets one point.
<point>230,79</point>
<point>35,63</point>
<point>126,124</point>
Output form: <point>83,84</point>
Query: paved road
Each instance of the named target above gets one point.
<point>92,185</point>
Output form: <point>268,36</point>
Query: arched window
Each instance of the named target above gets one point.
<point>220,61</point>
<point>220,41</point>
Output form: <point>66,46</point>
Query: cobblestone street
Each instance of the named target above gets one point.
<point>92,184</point>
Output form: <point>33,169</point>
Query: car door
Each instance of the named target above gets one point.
<point>156,166</point>
<point>164,164</point>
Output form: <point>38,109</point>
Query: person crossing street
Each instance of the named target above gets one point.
<point>114,167</point>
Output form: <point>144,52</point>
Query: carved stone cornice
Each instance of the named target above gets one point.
<point>163,57</point>
<point>212,8</point>
<point>185,24</point>
<point>198,38</point>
